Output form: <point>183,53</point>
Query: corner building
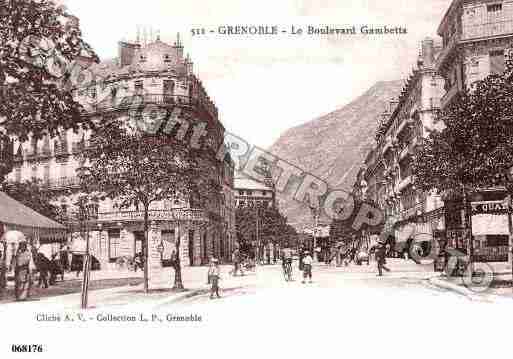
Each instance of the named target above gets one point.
<point>163,77</point>
<point>476,36</point>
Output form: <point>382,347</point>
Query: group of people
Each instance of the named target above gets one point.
<point>25,262</point>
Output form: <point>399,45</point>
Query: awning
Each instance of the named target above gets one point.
<point>484,224</point>
<point>16,216</point>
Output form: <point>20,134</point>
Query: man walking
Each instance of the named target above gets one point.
<point>380,258</point>
<point>307,267</point>
<point>214,274</point>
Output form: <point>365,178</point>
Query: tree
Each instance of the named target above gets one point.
<point>38,42</point>
<point>471,145</point>
<point>272,225</point>
<point>31,194</point>
<point>135,168</point>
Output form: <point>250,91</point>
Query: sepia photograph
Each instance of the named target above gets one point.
<point>245,179</point>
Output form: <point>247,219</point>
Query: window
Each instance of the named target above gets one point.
<point>496,62</point>
<point>249,193</point>
<point>241,193</point>
<point>168,87</point>
<point>496,240</point>
<point>138,86</point>
<point>46,174</point>
<point>494,7</point>
<point>114,244</point>
<point>167,58</point>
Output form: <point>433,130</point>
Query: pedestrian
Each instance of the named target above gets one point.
<point>380,258</point>
<point>23,264</point>
<point>268,253</point>
<point>64,258</point>
<point>43,266</point>
<point>138,261</point>
<point>301,257</point>
<point>276,252</point>
<point>214,274</point>
<point>3,271</point>
<point>235,260</point>
<point>307,267</point>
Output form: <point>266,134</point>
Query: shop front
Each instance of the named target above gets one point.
<point>196,236</point>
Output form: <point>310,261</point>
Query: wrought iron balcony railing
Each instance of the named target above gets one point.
<point>138,101</point>
<point>488,29</point>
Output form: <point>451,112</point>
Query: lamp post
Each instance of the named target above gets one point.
<point>87,208</point>
<point>315,214</point>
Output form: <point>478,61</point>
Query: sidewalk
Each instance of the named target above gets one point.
<point>194,280</point>
<point>497,287</point>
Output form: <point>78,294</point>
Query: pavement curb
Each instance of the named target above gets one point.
<point>445,284</point>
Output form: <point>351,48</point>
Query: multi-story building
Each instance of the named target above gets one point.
<point>250,193</point>
<point>386,178</point>
<point>160,75</point>
<point>476,34</point>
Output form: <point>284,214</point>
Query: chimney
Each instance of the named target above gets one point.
<point>126,52</point>
<point>428,52</point>
<point>178,46</point>
<point>188,64</point>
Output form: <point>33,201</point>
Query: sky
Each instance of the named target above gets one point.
<point>264,85</point>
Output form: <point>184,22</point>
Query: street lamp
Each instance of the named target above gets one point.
<point>87,209</point>
<point>315,214</point>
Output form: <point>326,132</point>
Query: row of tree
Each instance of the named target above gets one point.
<point>264,225</point>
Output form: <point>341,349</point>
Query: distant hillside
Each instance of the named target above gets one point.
<point>332,147</point>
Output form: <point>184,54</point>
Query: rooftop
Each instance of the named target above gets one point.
<point>246,183</point>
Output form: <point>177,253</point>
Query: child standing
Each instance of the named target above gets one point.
<point>214,274</point>
<point>307,267</point>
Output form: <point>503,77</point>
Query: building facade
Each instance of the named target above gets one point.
<point>250,193</point>
<point>386,177</point>
<point>476,36</point>
<point>158,76</point>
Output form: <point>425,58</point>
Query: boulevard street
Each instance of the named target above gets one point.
<point>344,307</point>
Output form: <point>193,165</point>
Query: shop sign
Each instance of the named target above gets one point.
<point>489,207</point>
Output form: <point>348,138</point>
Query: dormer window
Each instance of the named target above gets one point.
<point>142,58</point>
<point>167,58</point>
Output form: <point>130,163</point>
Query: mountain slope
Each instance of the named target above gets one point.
<point>333,146</point>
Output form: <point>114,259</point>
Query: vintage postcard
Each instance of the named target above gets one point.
<point>290,178</point>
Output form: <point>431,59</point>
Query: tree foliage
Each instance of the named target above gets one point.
<point>272,225</point>
<point>135,168</point>
<point>38,42</point>
<point>31,194</point>
<point>471,143</point>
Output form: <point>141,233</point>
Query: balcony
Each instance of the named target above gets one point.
<point>487,30</point>
<point>183,214</point>
<point>77,147</point>
<point>448,97</point>
<point>447,51</point>
<point>136,101</point>
<point>62,183</point>
<point>61,151</point>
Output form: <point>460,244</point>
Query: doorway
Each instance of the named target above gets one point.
<point>139,242</point>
